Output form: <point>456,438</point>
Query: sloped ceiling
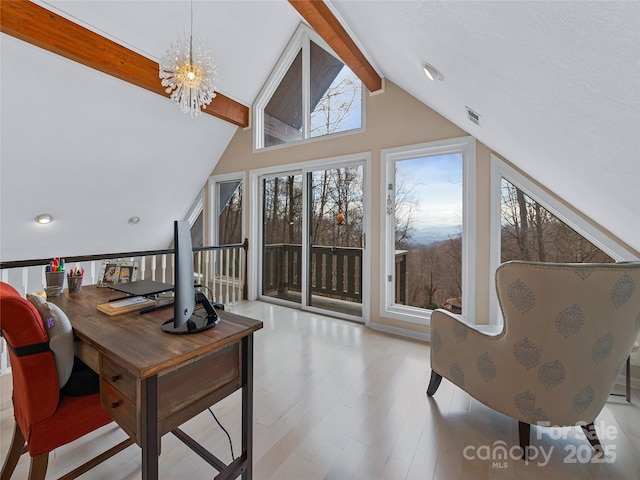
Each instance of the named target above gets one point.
<point>93,151</point>
<point>556,85</point>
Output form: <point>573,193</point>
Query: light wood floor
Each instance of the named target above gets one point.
<point>334,400</point>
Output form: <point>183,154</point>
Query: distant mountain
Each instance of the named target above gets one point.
<point>436,234</point>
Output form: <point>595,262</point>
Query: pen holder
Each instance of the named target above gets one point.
<point>74,283</point>
<point>55,283</point>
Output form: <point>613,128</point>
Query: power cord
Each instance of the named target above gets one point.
<point>206,287</point>
<point>233,457</point>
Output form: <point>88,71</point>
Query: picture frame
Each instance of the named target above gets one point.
<point>116,271</point>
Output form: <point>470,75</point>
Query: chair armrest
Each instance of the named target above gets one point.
<point>457,344</point>
<point>443,319</point>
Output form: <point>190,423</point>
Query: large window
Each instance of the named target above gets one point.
<point>311,93</point>
<point>229,199</point>
<point>529,231</point>
<point>528,223</point>
<point>226,215</point>
<point>429,229</point>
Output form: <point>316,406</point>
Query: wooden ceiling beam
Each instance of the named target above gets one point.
<point>38,26</point>
<point>324,22</point>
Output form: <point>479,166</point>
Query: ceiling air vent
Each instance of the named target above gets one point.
<point>473,116</point>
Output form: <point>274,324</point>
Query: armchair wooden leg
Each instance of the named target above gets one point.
<point>628,379</point>
<point>434,383</point>
<point>38,467</point>
<point>592,436</point>
<point>627,393</point>
<point>15,451</point>
<point>524,434</point>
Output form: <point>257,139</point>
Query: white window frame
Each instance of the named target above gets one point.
<point>192,215</point>
<point>300,41</point>
<point>196,208</point>
<point>500,170</point>
<point>213,217</point>
<point>462,145</point>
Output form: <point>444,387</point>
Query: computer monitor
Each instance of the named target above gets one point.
<point>186,318</point>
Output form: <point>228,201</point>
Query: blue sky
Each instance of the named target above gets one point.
<point>353,119</point>
<point>436,184</point>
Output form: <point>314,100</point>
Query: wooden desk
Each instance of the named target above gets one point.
<point>152,382</point>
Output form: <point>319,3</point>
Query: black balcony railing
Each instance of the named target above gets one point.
<point>336,272</point>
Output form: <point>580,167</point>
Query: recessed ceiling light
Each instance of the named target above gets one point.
<point>432,72</point>
<point>44,218</point>
<point>133,220</point>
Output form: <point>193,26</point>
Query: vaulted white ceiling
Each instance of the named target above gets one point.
<point>93,151</point>
<point>556,84</point>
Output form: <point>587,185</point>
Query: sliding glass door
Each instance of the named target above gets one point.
<point>313,236</point>
<point>282,237</point>
<point>336,238</point>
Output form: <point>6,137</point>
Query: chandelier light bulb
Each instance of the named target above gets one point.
<point>189,74</point>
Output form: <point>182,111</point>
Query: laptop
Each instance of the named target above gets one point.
<point>142,288</point>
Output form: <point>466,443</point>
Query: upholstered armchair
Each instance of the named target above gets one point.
<point>568,330</point>
<point>45,418</point>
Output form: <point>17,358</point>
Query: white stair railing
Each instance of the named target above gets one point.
<point>220,269</point>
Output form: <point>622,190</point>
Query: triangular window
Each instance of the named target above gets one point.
<point>310,93</point>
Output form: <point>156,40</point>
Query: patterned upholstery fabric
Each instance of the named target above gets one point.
<point>568,329</point>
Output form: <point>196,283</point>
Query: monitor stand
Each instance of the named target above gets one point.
<point>197,322</point>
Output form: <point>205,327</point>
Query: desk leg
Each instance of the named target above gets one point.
<point>247,405</point>
<point>149,428</point>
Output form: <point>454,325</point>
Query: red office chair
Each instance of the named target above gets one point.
<point>45,419</point>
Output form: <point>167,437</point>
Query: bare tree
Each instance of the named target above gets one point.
<point>229,221</point>
<point>531,232</point>
<point>405,205</point>
<point>335,106</point>
<point>320,193</point>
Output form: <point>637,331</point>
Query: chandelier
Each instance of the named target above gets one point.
<point>189,73</point>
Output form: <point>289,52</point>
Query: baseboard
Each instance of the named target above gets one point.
<point>404,332</point>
